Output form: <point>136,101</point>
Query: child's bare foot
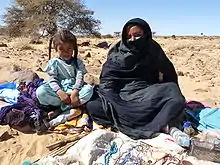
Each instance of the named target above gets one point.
<point>53,114</point>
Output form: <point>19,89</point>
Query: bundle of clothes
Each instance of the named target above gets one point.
<point>23,109</point>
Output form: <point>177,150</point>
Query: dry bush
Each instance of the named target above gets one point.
<point>28,17</point>
<point>22,44</point>
<point>107,36</point>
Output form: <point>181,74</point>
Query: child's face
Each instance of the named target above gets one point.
<point>65,50</point>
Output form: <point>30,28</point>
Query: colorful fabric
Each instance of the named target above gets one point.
<point>65,116</point>
<point>25,111</point>
<point>76,124</point>
<point>107,148</point>
<point>204,118</point>
<point>9,92</point>
<point>193,105</point>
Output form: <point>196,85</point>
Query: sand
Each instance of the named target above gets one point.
<point>196,60</point>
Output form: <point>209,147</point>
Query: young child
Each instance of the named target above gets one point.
<point>66,85</point>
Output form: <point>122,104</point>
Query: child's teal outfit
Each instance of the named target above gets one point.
<point>67,77</point>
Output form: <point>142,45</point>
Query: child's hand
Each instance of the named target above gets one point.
<point>75,102</point>
<point>64,97</point>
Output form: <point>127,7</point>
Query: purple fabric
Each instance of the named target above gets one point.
<point>194,105</point>
<point>26,110</point>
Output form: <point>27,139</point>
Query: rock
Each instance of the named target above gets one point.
<point>100,62</point>
<point>22,76</point>
<point>39,69</point>
<point>3,45</point>
<point>7,133</point>
<point>88,54</point>
<point>180,73</point>
<point>173,36</point>
<point>16,67</point>
<point>87,43</point>
<point>5,136</point>
<point>104,45</point>
<point>43,55</point>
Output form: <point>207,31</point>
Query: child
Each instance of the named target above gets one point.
<point>66,87</point>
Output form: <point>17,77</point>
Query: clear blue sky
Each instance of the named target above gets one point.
<point>166,17</point>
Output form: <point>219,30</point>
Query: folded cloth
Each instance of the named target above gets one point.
<point>204,118</point>
<point>65,116</point>
<point>9,92</point>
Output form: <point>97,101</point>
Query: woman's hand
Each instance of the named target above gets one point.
<point>160,76</point>
<point>75,102</point>
<point>64,97</point>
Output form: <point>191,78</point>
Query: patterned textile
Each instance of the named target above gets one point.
<point>25,111</point>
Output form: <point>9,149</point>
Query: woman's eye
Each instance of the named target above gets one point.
<point>138,35</point>
<point>134,35</point>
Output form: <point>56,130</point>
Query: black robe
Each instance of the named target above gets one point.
<point>130,95</point>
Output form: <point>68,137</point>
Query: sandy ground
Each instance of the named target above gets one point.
<point>196,60</point>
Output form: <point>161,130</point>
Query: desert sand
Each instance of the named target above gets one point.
<point>196,60</point>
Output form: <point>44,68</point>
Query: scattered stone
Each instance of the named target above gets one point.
<point>192,55</point>
<point>180,73</point>
<point>39,69</point>
<point>173,36</point>
<point>16,68</point>
<point>87,43</point>
<point>201,90</point>
<point>104,45</point>
<point>100,62</point>
<point>44,55</point>
<point>22,76</point>
<point>5,136</point>
<point>88,54</point>
<point>3,45</point>
<point>7,133</point>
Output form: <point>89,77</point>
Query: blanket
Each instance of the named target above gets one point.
<point>106,147</point>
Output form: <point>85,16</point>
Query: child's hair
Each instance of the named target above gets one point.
<point>64,36</point>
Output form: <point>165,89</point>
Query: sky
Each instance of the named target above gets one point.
<point>165,17</point>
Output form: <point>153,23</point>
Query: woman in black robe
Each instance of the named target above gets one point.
<point>131,96</point>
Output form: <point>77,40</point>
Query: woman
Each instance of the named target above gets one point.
<point>131,96</point>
